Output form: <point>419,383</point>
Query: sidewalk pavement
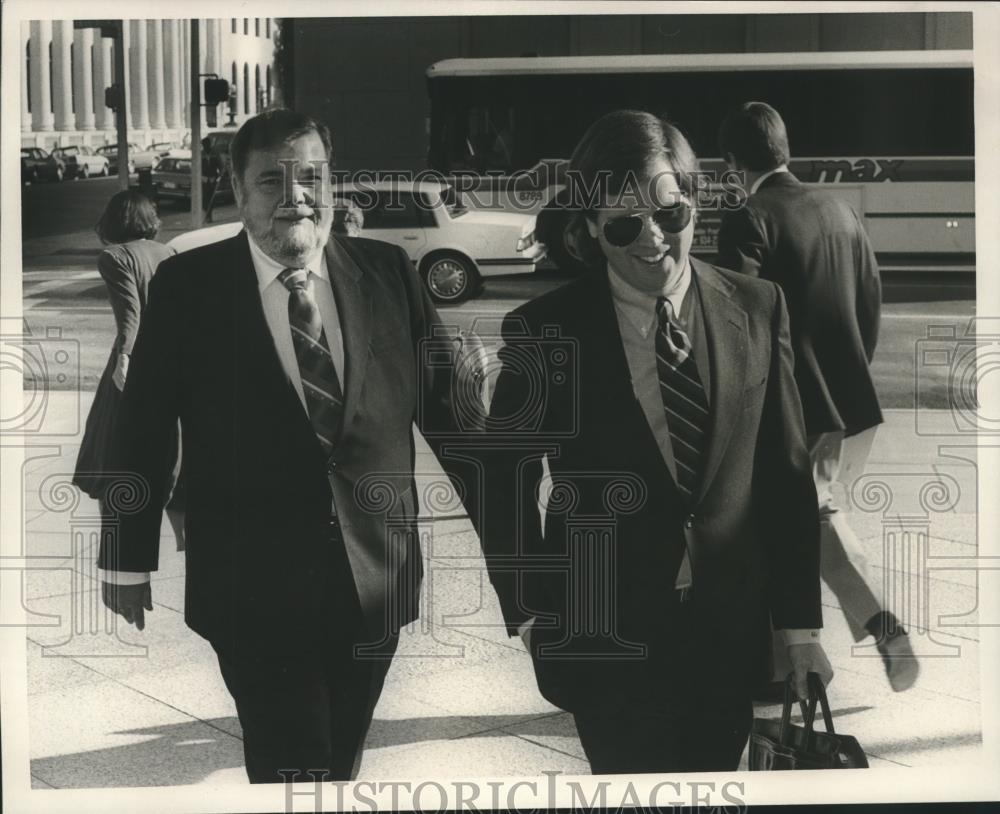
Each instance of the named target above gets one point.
<point>150,709</point>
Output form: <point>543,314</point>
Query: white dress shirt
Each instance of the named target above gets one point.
<point>274,298</point>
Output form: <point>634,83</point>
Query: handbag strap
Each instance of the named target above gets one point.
<point>818,691</point>
<point>784,729</point>
<point>817,694</point>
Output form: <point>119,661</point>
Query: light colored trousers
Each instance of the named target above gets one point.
<point>843,564</point>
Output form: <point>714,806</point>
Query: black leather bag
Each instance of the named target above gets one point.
<point>779,745</point>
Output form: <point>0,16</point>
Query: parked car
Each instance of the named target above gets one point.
<point>172,179</point>
<point>38,164</point>
<point>82,162</point>
<point>110,151</point>
<point>452,247</point>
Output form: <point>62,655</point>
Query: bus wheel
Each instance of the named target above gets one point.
<point>450,278</point>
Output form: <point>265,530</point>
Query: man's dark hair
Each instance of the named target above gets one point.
<point>270,129</point>
<point>129,215</point>
<point>755,136</point>
<point>620,144</point>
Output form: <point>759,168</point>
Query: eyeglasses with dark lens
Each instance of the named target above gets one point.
<point>624,230</point>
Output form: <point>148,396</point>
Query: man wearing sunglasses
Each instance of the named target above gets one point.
<point>814,246</point>
<point>680,519</point>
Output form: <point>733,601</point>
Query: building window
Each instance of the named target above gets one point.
<point>234,25</point>
<point>246,25</point>
<point>267,85</point>
<point>52,88</point>
<point>246,88</point>
<point>267,28</point>
<point>256,26</point>
<point>27,71</point>
<point>72,81</point>
<point>258,94</point>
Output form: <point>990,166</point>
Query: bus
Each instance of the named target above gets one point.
<point>890,131</point>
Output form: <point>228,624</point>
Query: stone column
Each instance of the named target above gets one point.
<point>41,95</point>
<point>157,108</point>
<point>173,72</point>
<point>103,77</point>
<point>211,46</point>
<point>62,74</point>
<point>83,78</point>
<point>23,72</point>
<point>139,81</point>
<point>186,72</point>
<point>125,81</point>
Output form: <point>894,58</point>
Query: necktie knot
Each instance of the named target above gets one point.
<point>294,279</point>
<point>678,344</point>
<point>664,310</point>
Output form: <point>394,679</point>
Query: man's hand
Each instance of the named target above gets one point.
<point>121,371</point>
<point>128,601</point>
<point>808,658</point>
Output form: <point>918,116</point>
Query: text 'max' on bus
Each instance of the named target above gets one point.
<point>890,131</point>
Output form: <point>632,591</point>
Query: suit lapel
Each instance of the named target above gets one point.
<point>254,338</point>
<point>727,334</point>
<point>354,306</point>
<point>607,365</point>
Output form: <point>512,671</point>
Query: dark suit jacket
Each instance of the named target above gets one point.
<point>814,246</point>
<point>753,527</point>
<point>261,571</point>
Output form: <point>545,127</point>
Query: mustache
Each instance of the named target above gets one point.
<point>297,211</point>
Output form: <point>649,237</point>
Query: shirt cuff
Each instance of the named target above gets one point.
<point>801,636</point>
<point>123,577</point>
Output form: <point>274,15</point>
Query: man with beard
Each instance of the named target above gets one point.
<point>295,362</point>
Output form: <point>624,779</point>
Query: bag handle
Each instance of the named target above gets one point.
<point>817,693</point>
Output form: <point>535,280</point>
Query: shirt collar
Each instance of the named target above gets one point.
<point>756,184</point>
<point>638,306</point>
<point>268,269</point>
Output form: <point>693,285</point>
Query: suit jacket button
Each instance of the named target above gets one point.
<point>331,467</point>
<point>689,523</point>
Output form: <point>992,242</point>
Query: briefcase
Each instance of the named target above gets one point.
<point>777,745</point>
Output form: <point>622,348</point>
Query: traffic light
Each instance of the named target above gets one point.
<point>216,91</point>
<point>113,96</point>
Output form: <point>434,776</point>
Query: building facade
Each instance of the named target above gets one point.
<point>65,71</point>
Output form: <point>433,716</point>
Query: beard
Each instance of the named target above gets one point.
<point>287,241</point>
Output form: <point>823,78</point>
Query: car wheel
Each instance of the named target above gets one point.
<point>104,171</point>
<point>84,171</point>
<point>450,278</point>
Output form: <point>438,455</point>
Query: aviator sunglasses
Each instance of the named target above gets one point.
<point>622,231</point>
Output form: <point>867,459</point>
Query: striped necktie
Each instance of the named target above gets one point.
<point>320,383</point>
<point>684,398</point>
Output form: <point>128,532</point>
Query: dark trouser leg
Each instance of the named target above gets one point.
<point>706,734</point>
<point>284,710</point>
<point>353,700</point>
<point>305,714</point>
